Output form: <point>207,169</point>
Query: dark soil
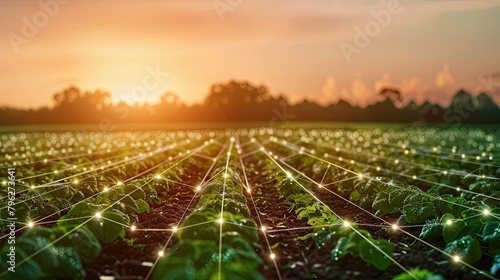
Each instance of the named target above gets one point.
<point>124,261</point>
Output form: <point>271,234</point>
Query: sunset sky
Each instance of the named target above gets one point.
<point>429,49</point>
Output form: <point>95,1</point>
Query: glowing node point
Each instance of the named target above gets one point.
<point>132,228</point>
<point>456,258</point>
<point>414,177</point>
<point>320,186</point>
<point>263,228</point>
<point>463,156</point>
<point>395,227</point>
<point>75,181</point>
<point>119,183</point>
<point>220,220</point>
<point>458,189</point>
<point>289,175</point>
<point>160,253</point>
<point>158,177</point>
<point>174,229</point>
<point>273,256</point>
<point>30,224</point>
<point>449,222</point>
<point>378,168</point>
<point>198,188</point>
<point>249,190</point>
<point>486,212</point>
<point>97,215</point>
<point>346,223</point>
<point>360,176</point>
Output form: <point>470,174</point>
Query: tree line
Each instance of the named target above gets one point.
<point>243,101</point>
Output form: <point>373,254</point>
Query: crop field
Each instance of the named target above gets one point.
<point>252,203</point>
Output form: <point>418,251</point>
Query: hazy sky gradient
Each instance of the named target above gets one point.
<point>429,50</point>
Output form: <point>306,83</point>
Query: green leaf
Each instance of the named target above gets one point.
<point>125,204</point>
<point>38,231</point>
<point>307,236</point>
<point>495,267</point>
<point>237,271</point>
<point>322,237</point>
<point>375,257</point>
<point>110,226</point>
<point>444,205</point>
<point>420,274</point>
<point>70,264</point>
<point>142,206</point>
<point>83,241</point>
<point>381,202</point>
<point>134,190</point>
<point>431,230</point>
<point>28,270</point>
<point>397,197</point>
<point>418,212</point>
<point>243,251</point>
<point>491,234</point>
<point>467,248</point>
<point>236,207</point>
<point>81,209</point>
<point>457,229</point>
<point>343,247</point>
<point>47,258</point>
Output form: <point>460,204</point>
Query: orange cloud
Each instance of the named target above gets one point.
<point>360,94</point>
<point>414,90</point>
<point>444,78</point>
<point>328,91</point>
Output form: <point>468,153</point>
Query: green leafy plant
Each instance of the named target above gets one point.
<point>196,256</point>
<point>420,274</point>
<point>359,243</point>
<point>57,252</point>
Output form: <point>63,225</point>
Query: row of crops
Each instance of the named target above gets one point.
<point>264,203</point>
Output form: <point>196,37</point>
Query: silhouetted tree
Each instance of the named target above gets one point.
<point>244,101</point>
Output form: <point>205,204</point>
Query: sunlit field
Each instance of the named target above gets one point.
<point>253,203</point>
<point>249,140</point>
